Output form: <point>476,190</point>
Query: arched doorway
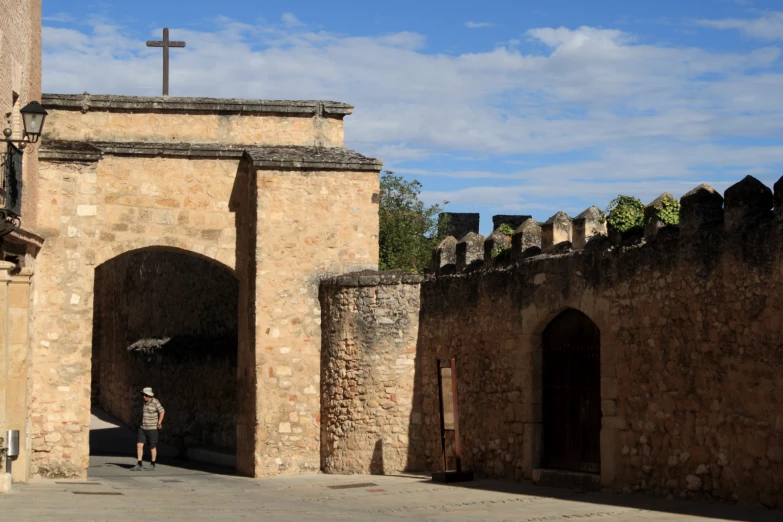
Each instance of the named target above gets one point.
<point>571,400</point>
<point>167,318</point>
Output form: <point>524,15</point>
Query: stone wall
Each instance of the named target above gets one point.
<point>91,212</point>
<point>369,335</point>
<point>334,230</point>
<point>20,83</point>
<point>169,321</point>
<point>690,359</point>
<point>690,354</point>
<point>169,119</point>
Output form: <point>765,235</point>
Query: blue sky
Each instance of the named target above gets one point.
<point>499,107</point>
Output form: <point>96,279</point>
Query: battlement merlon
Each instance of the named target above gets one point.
<point>746,204</point>
<point>195,120</point>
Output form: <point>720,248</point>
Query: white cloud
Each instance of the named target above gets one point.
<point>769,26</point>
<point>58,17</point>
<point>479,25</point>
<point>648,116</point>
<point>290,20</point>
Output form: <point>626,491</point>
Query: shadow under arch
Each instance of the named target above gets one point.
<point>107,257</point>
<point>167,318</point>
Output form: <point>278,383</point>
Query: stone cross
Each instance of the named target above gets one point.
<point>165,43</point>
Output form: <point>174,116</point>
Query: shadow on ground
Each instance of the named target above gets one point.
<point>109,437</point>
<point>686,508</point>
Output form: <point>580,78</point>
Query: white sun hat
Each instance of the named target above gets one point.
<point>148,392</point>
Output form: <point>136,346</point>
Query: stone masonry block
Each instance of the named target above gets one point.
<point>652,222</point>
<point>527,238</point>
<point>459,224</point>
<point>470,249</point>
<point>495,239</point>
<point>745,201</point>
<point>779,197</point>
<point>510,220</point>
<point>444,254</point>
<point>699,208</point>
<point>556,230</point>
<point>587,225</point>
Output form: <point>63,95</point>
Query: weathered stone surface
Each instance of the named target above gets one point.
<point>496,239</point>
<point>557,229</point>
<point>526,239</point>
<point>697,421</point>
<point>368,366</point>
<point>700,208</point>
<point>514,221</point>
<point>460,224</point>
<point>652,222</point>
<point>194,120</point>
<point>746,201</point>
<point>586,226</point>
<point>271,157</point>
<point>444,254</point>
<point>469,250</point>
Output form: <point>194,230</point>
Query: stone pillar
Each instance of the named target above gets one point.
<point>18,357</point>
<point>699,208</point>
<point>556,230</point>
<point>527,238</point>
<point>459,224</point>
<point>745,201</point>
<point>14,360</point>
<point>587,225</point>
<point>470,249</point>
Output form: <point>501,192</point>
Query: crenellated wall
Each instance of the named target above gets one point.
<point>690,347</point>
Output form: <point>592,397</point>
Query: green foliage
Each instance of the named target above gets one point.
<point>625,213</point>
<point>408,228</point>
<point>668,210</point>
<point>502,251</point>
<point>506,230</point>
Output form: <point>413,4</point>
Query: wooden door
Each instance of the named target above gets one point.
<point>571,393</point>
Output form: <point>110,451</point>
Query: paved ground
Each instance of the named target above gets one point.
<point>179,492</point>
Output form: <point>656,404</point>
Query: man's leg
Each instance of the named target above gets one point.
<point>152,437</point>
<point>142,438</point>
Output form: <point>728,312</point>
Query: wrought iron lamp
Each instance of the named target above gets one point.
<point>33,117</point>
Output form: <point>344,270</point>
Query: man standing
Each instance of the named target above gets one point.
<point>151,420</point>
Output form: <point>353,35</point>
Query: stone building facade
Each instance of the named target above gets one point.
<point>263,189</point>
<point>20,83</point>
<point>687,348</point>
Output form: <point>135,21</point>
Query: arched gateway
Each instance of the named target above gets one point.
<point>572,393</point>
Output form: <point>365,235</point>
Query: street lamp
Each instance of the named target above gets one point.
<point>33,117</point>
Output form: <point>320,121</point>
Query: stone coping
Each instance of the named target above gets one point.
<point>271,157</point>
<point>113,103</point>
<point>312,158</point>
<point>374,278</point>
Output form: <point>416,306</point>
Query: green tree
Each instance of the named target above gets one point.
<point>408,228</point>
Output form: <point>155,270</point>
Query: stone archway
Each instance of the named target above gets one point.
<point>571,393</point>
<point>167,318</point>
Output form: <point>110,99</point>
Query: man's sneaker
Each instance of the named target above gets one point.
<point>151,468</point>
<point>137,468</point>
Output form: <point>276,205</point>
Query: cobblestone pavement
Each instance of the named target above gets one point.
<point>173,492</point>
